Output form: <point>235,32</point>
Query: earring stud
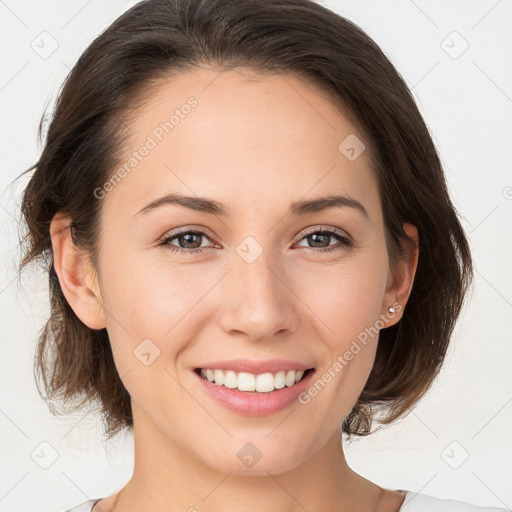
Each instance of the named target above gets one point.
<point>392,309</point>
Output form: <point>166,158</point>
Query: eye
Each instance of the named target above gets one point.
<point>320,237</point>
<point>190,239</point>
<point>190,242</point>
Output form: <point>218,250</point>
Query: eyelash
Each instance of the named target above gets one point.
<point>331,232</point>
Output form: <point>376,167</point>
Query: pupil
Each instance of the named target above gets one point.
<point>187,236</point>
<point>315,238</point>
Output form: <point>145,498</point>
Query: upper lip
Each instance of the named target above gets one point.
<point>256,367</point>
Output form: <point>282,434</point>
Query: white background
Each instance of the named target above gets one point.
<point>467,103</point>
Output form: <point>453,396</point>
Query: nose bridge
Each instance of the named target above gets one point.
<point>258,277</point>
<point>259,303</point>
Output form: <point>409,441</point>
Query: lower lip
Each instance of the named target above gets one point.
<point>252,403</point>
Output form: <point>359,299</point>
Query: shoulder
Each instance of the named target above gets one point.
<point>416,502</point>
<point>84,507</point>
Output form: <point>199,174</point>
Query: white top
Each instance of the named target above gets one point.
<point>414,502</point>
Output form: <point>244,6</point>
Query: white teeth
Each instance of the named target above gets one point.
<point>246,382</point>
<point>265,382</point>
<point>230,379</point>
<point>262,383</point>
<point>290,378</point>
<point>219,376</point>
<point>280,380</point>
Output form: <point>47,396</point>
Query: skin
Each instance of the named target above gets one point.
<point>256,144</point>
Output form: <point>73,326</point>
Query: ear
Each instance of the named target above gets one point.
<point>76,275</point>
<point>400,282</point>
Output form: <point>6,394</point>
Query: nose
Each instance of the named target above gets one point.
<point>258,300</point>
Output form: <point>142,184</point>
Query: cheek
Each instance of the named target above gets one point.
<point>345,302</point>
<point>151,299</point>
<point>151,311</point>
<point>345,298</point>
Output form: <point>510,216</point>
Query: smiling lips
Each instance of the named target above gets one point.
<point>253,388</point>
<point>244,381</point>
<point>254,376</point>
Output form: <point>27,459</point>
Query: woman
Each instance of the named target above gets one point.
<point>250,244</point>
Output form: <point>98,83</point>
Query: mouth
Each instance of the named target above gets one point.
<point>253,383</point>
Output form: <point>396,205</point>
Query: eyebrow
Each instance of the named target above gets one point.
<point>210,206</point>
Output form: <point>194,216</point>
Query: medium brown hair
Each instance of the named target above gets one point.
<point>157,39</point>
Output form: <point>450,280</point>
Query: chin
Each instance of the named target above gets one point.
<point>249,460</point>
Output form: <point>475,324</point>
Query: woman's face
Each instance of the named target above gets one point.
<point>255,284</point>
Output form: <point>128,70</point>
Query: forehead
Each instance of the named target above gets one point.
<point>241,138</point>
